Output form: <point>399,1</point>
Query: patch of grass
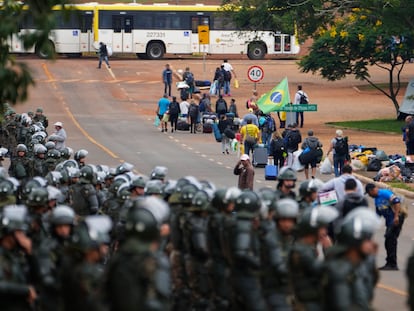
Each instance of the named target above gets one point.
<point>384,86</point>
<point>380,125</point>
<point>401,185</point>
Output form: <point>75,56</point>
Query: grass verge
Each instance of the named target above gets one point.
<point>401,185</point>
<point>380,125</point>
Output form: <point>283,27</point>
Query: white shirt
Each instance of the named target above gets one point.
<point>184,105</point>
<point>227,67</point>
<point>298,95</point>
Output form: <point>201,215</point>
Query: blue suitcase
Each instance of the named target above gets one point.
<point>216,131</point>
<point>271,172</point>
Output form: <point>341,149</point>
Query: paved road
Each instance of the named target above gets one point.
<point>109,113</point>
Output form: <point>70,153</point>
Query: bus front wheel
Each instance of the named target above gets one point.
<point>46,50</point>
<point>256,51</point>
<point>155,50</point>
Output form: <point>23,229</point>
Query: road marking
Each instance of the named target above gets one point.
<point>212,160</point>
<point>392,290</point>
<point>219,163</point>
<point>111,73</point>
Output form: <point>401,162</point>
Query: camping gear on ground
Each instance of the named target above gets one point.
<point>183,125</point>
<point>216,131</point>
<point>326,167</point>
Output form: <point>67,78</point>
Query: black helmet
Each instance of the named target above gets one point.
<point>201,201</point>
<point>6,188</point>
<point>87,174</point>
<point>287,173</point>
<point>187,194</point>
<point>80,154</point>
<point>248,204</point>
<point>159,172</point>
<point>62,215</point>
<point>53,154</point>
<point>310,186</point>
<point>218,199</point>
<point>66,153</point>
<point>123,192</point>
<point>286,208</point>
<point>314,218</point>
<point>360,224</point>
<point>145,218</point>
<point>21,147</point>
<point>93,232</point>
<point>38,197</point>
<point>116,184</point>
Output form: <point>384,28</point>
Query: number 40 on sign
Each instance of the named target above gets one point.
<point>255,73</point>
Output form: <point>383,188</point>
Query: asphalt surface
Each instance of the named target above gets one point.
<point>110,113</point>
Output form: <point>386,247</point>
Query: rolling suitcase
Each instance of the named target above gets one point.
<point>260,156</point>
<point>271,170</point>
<point>216,131</point>
<point>183,126</point>
<point>207,127</point>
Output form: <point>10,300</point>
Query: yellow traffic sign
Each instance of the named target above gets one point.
<point>203,34</point>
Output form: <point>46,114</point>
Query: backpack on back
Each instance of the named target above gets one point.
<point>174,108</point>
<point>189,78</point>
<point>227,75</point>
<point>221,106</point>
<point>341,146</point>
<point>270,125</point>
<point>303,99</point>
<point>293,139</point>
<point>278,146</point>
<point>193,111</point>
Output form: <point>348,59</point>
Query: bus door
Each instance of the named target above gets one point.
<point>122,40</point>
<point>86,32</point>
<point>282,44</point>
<point>195,45</point>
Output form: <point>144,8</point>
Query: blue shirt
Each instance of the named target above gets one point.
<point>167,76</point>
<point>383,206</point>
<point>163,104</point>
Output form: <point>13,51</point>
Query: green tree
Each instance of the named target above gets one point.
<point>377,33</point>
<point>15,76</point>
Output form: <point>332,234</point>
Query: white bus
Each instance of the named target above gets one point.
<point>150,31</point>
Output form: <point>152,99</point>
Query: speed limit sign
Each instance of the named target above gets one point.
<point>255,73</point>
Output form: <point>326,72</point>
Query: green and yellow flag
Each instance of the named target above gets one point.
<point>277,98</point>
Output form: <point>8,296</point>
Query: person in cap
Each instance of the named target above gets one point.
<point>59,136</point>
<point>244,169</point>
<point>388,205</point>
<point>40,117</point>
<point>250,115</point>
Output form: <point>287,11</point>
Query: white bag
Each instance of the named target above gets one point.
<point>109,50</point>
<point>213,88</point>
<point>326,167</point>
<point>297,166</point>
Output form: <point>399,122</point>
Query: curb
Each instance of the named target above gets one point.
<point>365,180</point>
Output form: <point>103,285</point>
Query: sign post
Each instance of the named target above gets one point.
<point>255,74</point>
<point>204,39</point>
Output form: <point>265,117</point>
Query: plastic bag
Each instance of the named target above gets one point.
<point>297,166</point>
<point>234,145</point>
<point>236,83</point>
<point>213,88</point>
<point>165,117</point>
<point>109,51</point>
<point>157,121</point>
<point>326,167</point>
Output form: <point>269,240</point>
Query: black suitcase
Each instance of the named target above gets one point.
<point>207,127</point>
<point>260,156</point>
<point>183,126</point>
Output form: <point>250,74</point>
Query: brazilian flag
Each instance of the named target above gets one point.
<point>277,98</point>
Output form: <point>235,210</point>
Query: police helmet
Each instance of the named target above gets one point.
<point>159,172</point>
<point>168,188</point>
<point>53,193</point>
<point>87,174</point>
<point>38,197</point>
<point>73,172</point>
<point>62,215</point>
<point>66,153</point>
<point>70,163</point>
<point>15,217</point>
<point>248,204</point>
<point>358,225</point>
<point>50,145</point>
<point>6,188</point>
<point>287,173</point>
<point>232,193</point>
<point>80,154</point>
<point>208,185</point>
<point>153,187</point>
<point>53,178</point>
<point>187,194</point>
<point>201,201</point>
<point>123,192</point>
<point>93,232</point>
<point>116,184</point>
<point>21,147</point>
<point>100,177</point>
<point>139,181</point>
<point>314,218</point>
<point>53,154</point>
<point>286,208</point>
<point>124,168</point>
<point>267,196</point>
<point>218,199</point>
<point>39,149</point>
<point>310,186</point>
<point>35,182</point>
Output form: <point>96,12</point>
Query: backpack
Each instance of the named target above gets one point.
<point>278,146</point>
<point>293,139</point>
<point>193,111</point>
<point>270,125</point>
<point>174,108</point>
<point>341,146</point>
<point>221,106</point>
<point>303,99</point>
<point>226,75</point>
<point>189,78</point>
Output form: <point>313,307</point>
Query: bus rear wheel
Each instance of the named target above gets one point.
<point>256,51</point>
<point>155,50</point>
<point>47,50</point>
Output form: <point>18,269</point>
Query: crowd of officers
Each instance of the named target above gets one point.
<point>80,236</point>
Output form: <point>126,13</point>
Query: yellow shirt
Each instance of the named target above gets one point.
<point>252,129</point>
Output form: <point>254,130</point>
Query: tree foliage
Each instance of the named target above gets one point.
<point>376,33</point>
<point>15,76</point>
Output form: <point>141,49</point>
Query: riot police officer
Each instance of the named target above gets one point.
<point>138,276</point>
<point>287,182</point>
<point>21,166</point>
<point>82,195</point>
<point>80,157</point>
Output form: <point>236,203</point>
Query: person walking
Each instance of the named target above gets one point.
<point>162,108</point>
<point>218,80</point>
<point>233,108</point>
<point>250,136</point>
<point>221,106</point>
<point>293,139</point>
<point>103,55</point>
<point>244,169</point>
<point>167,79</point>
<point>193,112</point>
<point>301,98</point>
<point>224,124</point>
<point>174,110</point>
<point>278,149</point>
<point>340,149</point>
<point>310,154</point>
<point>188,77</point>
<point>228,72</point>
<point>388,205</point>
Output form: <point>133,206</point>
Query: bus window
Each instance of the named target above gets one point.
<point>278,43</point>
<point>86,22</point>
<point>117,23</point>
<point>197,21</point>
<point>287,43</point>
<point>128,24</point>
